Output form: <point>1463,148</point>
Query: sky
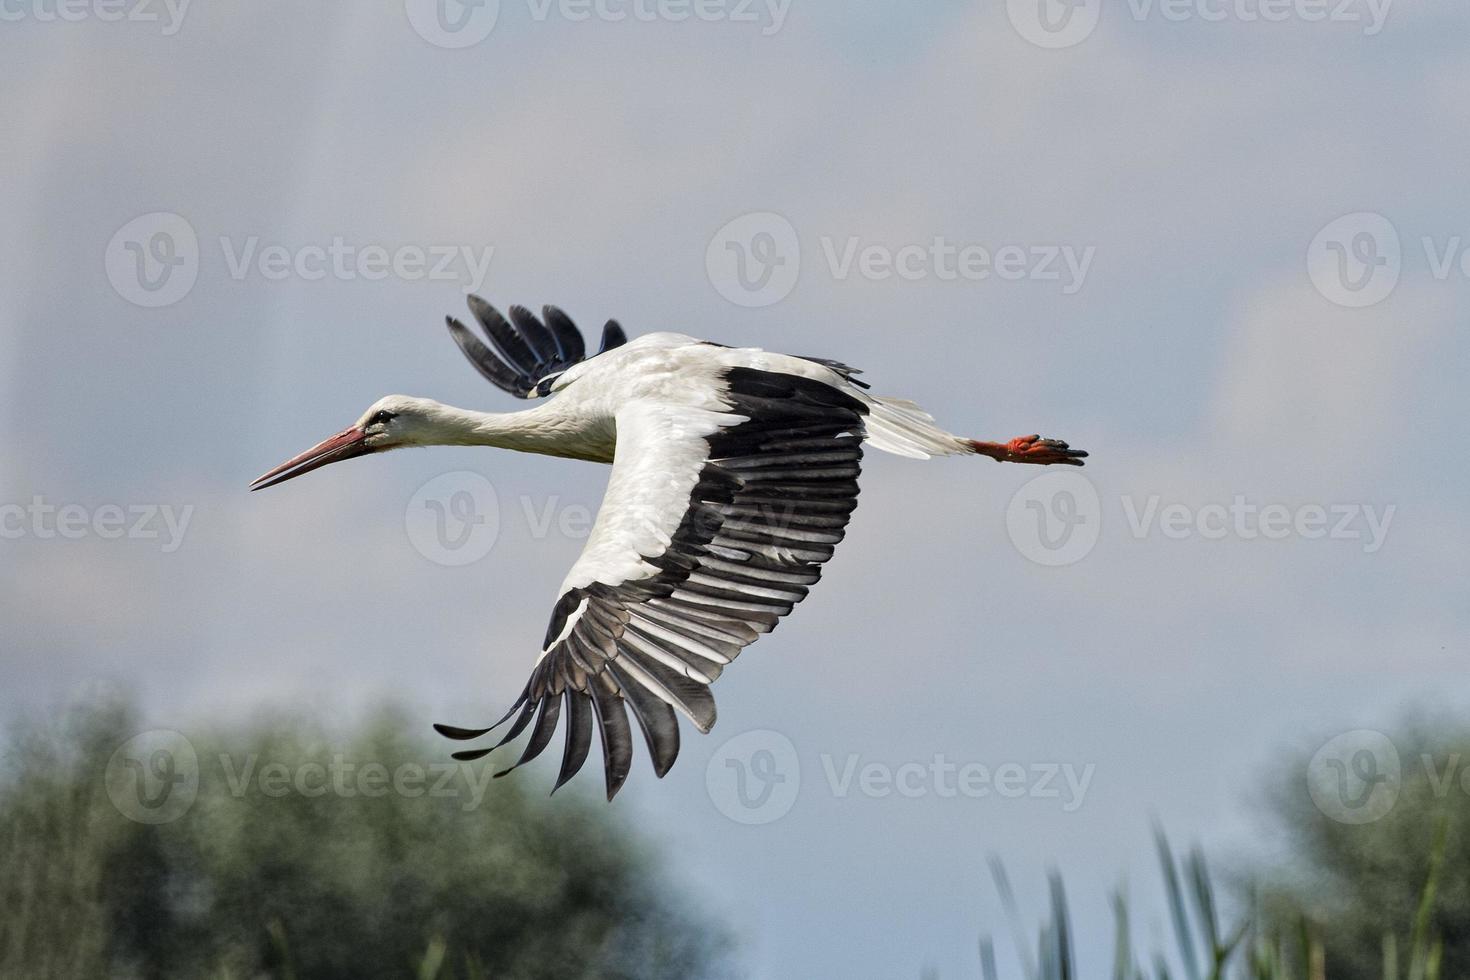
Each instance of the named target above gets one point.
<point>1221,244</point>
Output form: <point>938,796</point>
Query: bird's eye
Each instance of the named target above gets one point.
<point>381,418</point>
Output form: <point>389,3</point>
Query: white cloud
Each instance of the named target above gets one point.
<point>1304,383</point>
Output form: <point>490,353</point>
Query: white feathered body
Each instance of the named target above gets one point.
<point>677,371</point>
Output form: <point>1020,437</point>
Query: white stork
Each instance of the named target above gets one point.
<point>734,474</point>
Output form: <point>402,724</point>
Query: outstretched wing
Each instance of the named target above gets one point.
<point>524,352</point>
<point>715,524</point>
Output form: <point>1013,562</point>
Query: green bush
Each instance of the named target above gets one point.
<point>1359,884</point>
<point>327,882</point>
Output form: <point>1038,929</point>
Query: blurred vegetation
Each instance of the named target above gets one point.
<point>1355,884</point>
<point>1386,899</point>
<point>317,871</point>
<point>339,884</point>
<point>1210,944</point>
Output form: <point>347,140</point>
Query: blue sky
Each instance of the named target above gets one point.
<point>1202,358</point>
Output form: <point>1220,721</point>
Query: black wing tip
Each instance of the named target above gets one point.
<point>478,305</point>
<point>459,734</point>
<point>612,336</point>
<point>524,349</point>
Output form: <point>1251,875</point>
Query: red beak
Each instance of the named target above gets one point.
<point>344,445</point>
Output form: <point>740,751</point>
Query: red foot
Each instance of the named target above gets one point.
<point>1031,449</point>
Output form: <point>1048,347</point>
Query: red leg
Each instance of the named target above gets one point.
<point>1030,449</point>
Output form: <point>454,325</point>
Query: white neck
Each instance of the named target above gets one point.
<point>542,430</point>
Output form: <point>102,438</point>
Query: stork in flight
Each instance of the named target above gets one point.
<point>734,474</point>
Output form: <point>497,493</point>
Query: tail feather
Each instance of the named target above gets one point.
<point>899,426</point>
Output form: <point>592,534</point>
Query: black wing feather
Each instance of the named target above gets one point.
<point>510,342</point>
<point>772,501</point>
<point>540,735</point>
<point>579,737</point>
<point>617,736</point>
<point>612,336</point>
<point>494,370</point>
<point>522,349</point>
<point>568,337</point>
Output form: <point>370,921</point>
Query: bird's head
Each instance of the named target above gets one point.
<point>389,423</point>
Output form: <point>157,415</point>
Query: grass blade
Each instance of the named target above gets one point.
<point>1177,911</point>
